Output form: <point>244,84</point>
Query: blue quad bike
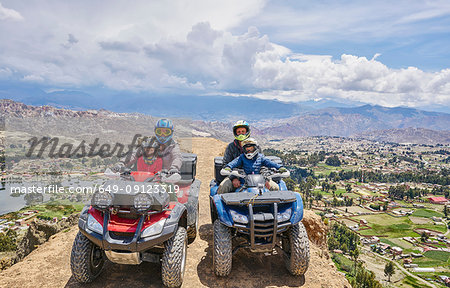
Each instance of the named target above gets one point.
<point>258,219</point>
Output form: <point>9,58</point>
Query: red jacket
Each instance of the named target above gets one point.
<point>153,168</point>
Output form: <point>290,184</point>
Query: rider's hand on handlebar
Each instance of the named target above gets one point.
<point>119,167</point>
<point>225,171</point>
<point>282,170</point>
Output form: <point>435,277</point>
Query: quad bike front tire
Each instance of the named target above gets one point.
<point>174,259</point>
<point>86,259</point>
<point>193,229</point>
<point>296,248</point>
<point>222,254</point>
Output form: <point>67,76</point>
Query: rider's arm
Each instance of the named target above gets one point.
<point>132,158</point>
<point>237,162</point>
<point>228,156</point>
<point>176,158</point>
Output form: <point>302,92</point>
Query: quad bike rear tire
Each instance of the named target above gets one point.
<point>222,254</point>
<point>86,259</point>
<point>193,229</point>
<point>296,248</point>
<point>174,259</point>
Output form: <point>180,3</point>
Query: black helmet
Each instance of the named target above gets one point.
<point>149,143</point>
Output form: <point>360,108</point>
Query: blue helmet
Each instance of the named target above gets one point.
<point>163,130</point>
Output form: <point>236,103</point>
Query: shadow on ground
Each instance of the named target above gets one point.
<point>248,270</point>
<point>116,275</point>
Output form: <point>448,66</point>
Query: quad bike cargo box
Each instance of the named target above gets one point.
<point>218,163</point>
<point>189,167</point>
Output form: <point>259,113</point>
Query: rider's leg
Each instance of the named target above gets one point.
<point>273,186</point>
<point>226,186</point>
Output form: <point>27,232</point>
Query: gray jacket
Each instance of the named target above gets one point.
<point>171,155</point>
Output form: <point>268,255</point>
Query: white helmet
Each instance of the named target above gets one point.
<point>250,147</point>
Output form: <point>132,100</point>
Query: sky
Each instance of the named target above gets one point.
<point>390,53</point>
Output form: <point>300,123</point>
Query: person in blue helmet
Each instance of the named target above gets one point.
<point>251,161</point>
<point>167,149</point>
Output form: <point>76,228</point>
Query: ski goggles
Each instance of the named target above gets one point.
<point>163,131</point>
<point>249,149</point>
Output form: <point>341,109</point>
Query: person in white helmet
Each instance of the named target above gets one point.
<point>251,161</point>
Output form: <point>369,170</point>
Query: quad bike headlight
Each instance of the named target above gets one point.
<point>155,229</point>
<point>102,199</point>
<point>238,217</point>
<point>142,202</point>
<point>94,225</point>
<point>284,216</point>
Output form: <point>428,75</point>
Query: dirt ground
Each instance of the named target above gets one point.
<point>420,220</point>
<point>48,265</point>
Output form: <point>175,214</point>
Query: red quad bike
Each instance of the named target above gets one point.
<point>140,217</point>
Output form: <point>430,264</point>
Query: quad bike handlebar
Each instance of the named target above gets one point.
<point>161,176</point>
<point>267,173</point>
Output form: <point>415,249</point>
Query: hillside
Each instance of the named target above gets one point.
<point>48,266</point>
<point>350,121</point>
<point>370,122</point>
<point>408,135</point>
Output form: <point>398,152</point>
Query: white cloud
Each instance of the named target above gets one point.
<point>9,14</point>
<point>33,78</point>
<point>353,78</point>
<point>194,47</point>
<point>329,20</point>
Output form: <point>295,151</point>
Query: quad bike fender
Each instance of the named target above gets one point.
<point>83,217</point>
<point>283,186</point>
<point>213,188</point>
<point>192,203</point>
<point>222,211</point>
<point>177,216</point>
<point>297,208</point>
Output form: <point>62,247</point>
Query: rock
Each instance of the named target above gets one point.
<point>316,229</point>
<point>38,233</point>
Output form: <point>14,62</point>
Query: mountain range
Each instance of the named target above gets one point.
<point>367,121</point>
<point>355,120</point>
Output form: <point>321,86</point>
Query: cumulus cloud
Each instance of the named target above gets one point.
<point>119,46</point>
<point>327,21</point>
<point>208,53</point>
<point>71,40</point>
<point>9,14</point>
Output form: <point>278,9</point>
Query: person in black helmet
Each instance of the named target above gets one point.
<point>241,131</point>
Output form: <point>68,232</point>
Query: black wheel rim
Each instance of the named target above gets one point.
<point>96,258</point>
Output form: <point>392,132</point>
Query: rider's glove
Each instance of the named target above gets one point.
<point>282,170</point>
<point>173,171</point>
<point>119,167</point>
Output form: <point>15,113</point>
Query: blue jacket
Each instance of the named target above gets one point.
<point>254,165</point>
